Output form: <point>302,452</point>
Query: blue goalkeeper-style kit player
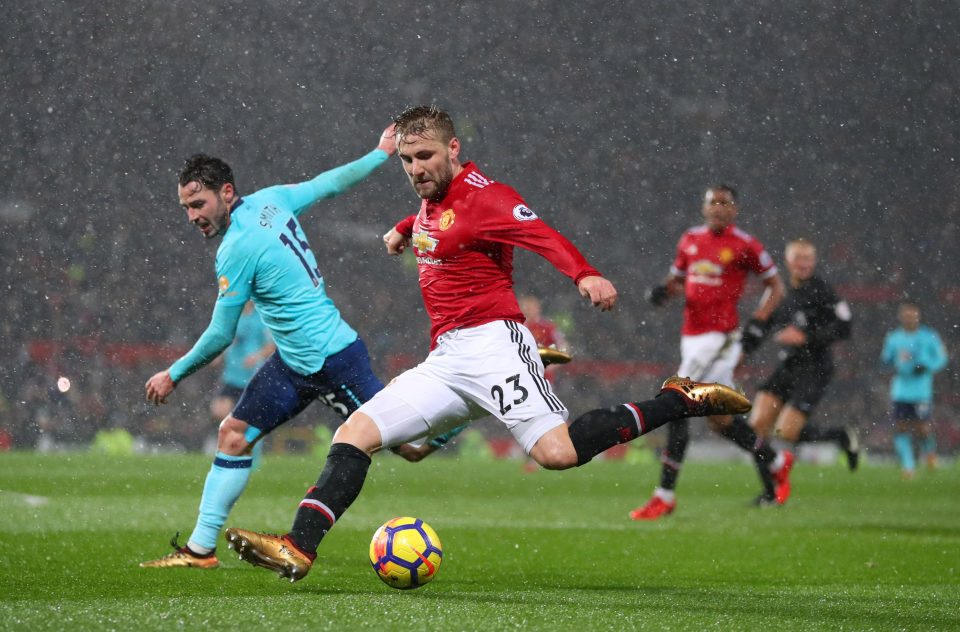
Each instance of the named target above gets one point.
<point>915,352</point>
<point>265,257</point>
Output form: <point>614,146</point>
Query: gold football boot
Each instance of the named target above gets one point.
<point>705,399</point>
<point>552,355</point>
<point>181,558</point>
<point>274,552</point>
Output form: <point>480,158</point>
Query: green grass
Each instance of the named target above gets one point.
<point>544,550</point>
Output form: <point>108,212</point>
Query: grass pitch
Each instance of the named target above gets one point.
<point>540,550</point>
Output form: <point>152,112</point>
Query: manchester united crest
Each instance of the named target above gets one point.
<point>447,218</point>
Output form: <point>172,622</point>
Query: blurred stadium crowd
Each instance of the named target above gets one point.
<point>834,125</point>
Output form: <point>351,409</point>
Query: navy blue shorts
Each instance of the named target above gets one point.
<point>912,411</point>
<point>277,393</point>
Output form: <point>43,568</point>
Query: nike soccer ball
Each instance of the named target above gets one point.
<point>405,553</point>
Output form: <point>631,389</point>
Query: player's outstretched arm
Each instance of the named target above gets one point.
<point>600,291</point>
<point>340,179</point>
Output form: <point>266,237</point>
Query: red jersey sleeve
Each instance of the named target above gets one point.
<point>680,262</point>
<point>759,260</point>
<point>505,218</point>
<point>405,226</point>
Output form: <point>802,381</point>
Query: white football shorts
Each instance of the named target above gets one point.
<point>492,369</point>
<point>710,357</point>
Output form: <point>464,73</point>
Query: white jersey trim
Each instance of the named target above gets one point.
<point>474,178</point>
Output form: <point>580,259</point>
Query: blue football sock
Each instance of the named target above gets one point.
<point>903,446</point>
<point>225,482</point>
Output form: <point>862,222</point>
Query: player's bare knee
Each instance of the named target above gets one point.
<point>231,437</point>
<point>554,455</point>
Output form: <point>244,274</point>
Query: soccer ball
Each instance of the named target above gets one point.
<point>405,553</point>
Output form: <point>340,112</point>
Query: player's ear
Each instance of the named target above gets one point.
<point>454,148</point>
<point>227,192</point>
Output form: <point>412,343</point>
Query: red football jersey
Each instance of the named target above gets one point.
<point>714,267</point>
<point>464,248</point>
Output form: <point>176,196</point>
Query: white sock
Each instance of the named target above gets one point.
<point>666,495</point>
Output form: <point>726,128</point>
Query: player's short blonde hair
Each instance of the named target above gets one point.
<point>799,244</point>
<point>424,119</point>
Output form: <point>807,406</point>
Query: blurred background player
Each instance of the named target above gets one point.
<point>264,257</point>
<point>808,321</point>
<point>710,269</point>
<point>916,353</point>
<point>251,347</point>
<point>546,332</point>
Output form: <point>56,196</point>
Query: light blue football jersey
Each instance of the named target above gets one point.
<point>906,350</point>
<point>265,257</point>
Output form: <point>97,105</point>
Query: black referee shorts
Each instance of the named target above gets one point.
<point>801,384</point>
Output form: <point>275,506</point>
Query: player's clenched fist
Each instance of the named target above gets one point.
<point>600,291</point>
<point>395,242</point>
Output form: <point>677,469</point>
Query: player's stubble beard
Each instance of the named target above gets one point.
<point>441,180</point>
<point>222,219</point>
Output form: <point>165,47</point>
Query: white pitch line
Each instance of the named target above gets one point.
<point>27,499</point>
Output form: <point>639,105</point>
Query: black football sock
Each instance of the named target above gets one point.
<point>812,433</point>
<point>763,468</point>
<point>763,453</point>
<point>678,438</point>
<point>740,432</point>
<point>764,456</point>
<point>596,431</point>
<point>593,432</point>
<point>336,489</point>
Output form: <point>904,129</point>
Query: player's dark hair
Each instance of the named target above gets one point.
<point>720,186</point>
<point>211,172</point>
<point>417,120</point>
<point>724,187</point>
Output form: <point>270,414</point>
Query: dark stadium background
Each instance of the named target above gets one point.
<point>836,122</point>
